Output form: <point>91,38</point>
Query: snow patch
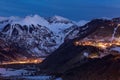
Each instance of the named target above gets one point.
<point>58,27</point>
<point>82,23</point>
<point>59,18</point>
<point>116,49</point>
<point>86,54</point>
<point>6,72</point>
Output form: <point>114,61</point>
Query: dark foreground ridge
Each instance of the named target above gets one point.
<point>107,68</point>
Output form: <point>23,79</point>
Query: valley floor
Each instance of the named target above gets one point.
<point>20,72</point>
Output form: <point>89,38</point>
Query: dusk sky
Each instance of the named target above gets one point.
<point>72,9</point>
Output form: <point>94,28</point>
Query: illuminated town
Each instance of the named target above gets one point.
<point>98,43</point>
<point>26,61</point>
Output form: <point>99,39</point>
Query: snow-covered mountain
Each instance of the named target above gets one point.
<point>36,35</point>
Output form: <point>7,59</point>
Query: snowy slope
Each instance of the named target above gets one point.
<point>22,74</point>
<point>37,35</point>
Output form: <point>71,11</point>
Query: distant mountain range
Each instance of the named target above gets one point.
<point>33,36</point>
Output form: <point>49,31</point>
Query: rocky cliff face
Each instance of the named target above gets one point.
<point>34,36</point>
<point>95,29</point>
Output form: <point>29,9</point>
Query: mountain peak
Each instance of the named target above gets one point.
<point>59,19</point>
<point>35,20</point>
